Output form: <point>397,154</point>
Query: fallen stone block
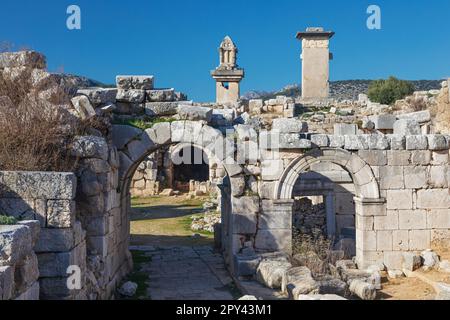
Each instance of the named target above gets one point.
<point>430,258</point>
<point>332,285</point>
<point>90,147</point>
<point>84,107</point>
<point>166,193</point>
<point>411,261</point>
<point>160,95</point>
<point>419,116</point>
<point>363,290</point>
<point>135,82</point>
<point>395,274</point>
<point>15,244</point>
<point>346,265</point>
<point>223,117</point>
<point>255,106</point>
<point>383,121</point>
<point>271,272</point>
<point>194,113</point>
<point>289,125</point>
<point>407,127</point>
<point>99,96</point>
<point>297,281</point>
<point>157,109</point>
<point>130,96</point>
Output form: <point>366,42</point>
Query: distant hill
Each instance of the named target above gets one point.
<point>340,90</point>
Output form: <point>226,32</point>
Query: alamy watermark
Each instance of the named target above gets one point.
<point>374,19</point>
<point>74,278</point>
<point>73,21</point>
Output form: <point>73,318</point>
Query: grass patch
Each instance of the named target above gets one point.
<point>143,123</point>
<point>139,277</point>
<point>166,221</point>
<point>6,220</point>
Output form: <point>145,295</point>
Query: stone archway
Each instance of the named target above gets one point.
<point>367,193</point>
<point>134,145</point>
<point>365,183</point>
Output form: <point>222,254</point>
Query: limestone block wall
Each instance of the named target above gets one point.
<point>401,186</point>
<point>281,105</point>
<point>145,179</point>
<point>19,270</point>
<point>48,198</point>
<point>415,184</point>
<point>102,216</point>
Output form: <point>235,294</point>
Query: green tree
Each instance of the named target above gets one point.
<point>390,90</point>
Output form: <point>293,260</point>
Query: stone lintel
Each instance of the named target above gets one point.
<point>314,34</point>
<point>235,75</point>
<point>370,206</point>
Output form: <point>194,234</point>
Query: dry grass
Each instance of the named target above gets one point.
<point>417,103</point>
<point>313,251</point>
<point>35,135</point>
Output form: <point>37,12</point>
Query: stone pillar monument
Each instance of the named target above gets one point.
<point>315,62</point>
<point>227,74</point>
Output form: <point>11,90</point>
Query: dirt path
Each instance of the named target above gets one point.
<point>169,262</point>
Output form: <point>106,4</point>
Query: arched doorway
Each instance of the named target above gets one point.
<point>196,261</point>
<point>364,190</point>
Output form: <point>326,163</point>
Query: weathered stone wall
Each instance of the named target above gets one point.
<point>19,270</point>
<point>48,198</point>
<point>145,179</point>
<point>396,186</point>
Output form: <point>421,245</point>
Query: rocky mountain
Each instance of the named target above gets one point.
<point>339,90</point>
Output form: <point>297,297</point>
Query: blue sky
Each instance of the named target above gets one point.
<point>177,40</point>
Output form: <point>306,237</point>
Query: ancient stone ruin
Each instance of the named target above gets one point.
<point>378,192</point>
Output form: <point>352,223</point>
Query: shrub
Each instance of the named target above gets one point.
<point>390,90</point>
<point>35,135</point>
<point>417,103</point>
<point>314,250</point>
<point>5,220</point>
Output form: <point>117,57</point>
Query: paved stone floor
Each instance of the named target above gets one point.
<point>186,273</point>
